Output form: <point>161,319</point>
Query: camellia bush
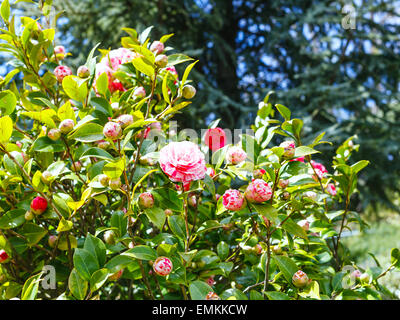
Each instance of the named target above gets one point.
<point>102,198</point>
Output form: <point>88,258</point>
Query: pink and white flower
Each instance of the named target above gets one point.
<point>182,161</point>
<point>162,266</point>
<point>61,72</point>
<point>289,147</point>
<point>320,170</point>
<point>112,130</point>
<point>233,200</point>
<point>258,191</point>
<point>331,189</point>
<point>235,155</point>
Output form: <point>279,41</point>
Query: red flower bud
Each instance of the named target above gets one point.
<point>300,279</point>
<point>146,200</point>
<point>38,205</point>
<point>3,256</point>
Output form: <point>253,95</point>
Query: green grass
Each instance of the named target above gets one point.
<point>378,240</point>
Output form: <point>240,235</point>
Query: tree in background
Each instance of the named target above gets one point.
<point>305,50</point>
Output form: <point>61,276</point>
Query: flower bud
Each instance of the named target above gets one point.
<point>289,147</point>
<point>331,189</point>
<point>112,130</point>
<point>54,134</point>
<point>233,200</point>
<point>161,61</point>
<point>217,196</point>
<point>3,256</point>
<point>116,276</point>
<point>168,212</point>
<point>61,72</point>
<point>215,138</point>
<point>131,245</point>
<point>104,180</point>
<point>46,177</point>
<point>103,144</point>
<point>63,242</point>
<point>188,91</point>
<point>286,195</point>
<point>258,249</point>
<point>211,172</point>
<point>83,72</point>
<point>283,183</point>
<point>59,51</point>
<point>258,191</point>
<point>115,106</point>
<point>125,120</point>
<point>212,296</point>
<point>365,278</point>
<point>210,281</point>
<point>304,224</point>
<point>356,274</point>
<point>139,92</point>
<point>300,279</point>
<point>192,201</point>
<point>235,155</point>
<point>146,200</point>
<point>29,215</point>
<point>258,173</point>
<point>52,241</point>
<point>77,166</point>
<point>267,222</point>
<point>162,266</point>
<point>276,249</point>
<point>157,47</point>
<point>38,205</point>
<point>115,183</point>
<point>109,237</point>
<point>310,195</point>
<point>66,126</point>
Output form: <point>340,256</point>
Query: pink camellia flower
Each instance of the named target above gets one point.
<point>162,266</point>
<point>304,224</point>
<point>139,92</point>
<point>289,147</point>
<point>215,138</point>
<point>210,281</point>
<point>331,189</point>
<point>300,159</point>
<point>211,172</point>
<point>182,161</point>
<point>235,155</point>
<point>319,169</point>
<point>233,200</point>
<point>172,70</point>
<point>115,58</point>
<point>61,72</point>
<point>258,191</point>
<point>112,130</point>
<point>157,47</point>
<point>116,85</point>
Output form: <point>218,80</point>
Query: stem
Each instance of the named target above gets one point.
<point>185,206</point>
<point>266,279</point>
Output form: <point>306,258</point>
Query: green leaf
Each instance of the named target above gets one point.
<point>266,210</point>
<point>119,222</point>
<point>287,266</point>
<point>142,252</point>
<point>85,263</point>
<point>12,219</point>
<point>75,88</point>
<point>156,215</point>
<point>186,73</point>
<point>218,157</point>
<point>97,153</point>
<point>45,144</point>
<point>8,102</point>
<point>304,151</point>
<point>118,262</point>
<point>89,132</point>
<point>64,225</point>
<point>165,88</point>
<point>199,289</point>
<point>33,233</point>
<point>178,58</point>
<point>102,84</point>
<point>77,285</point>
<point>114,169</point>
<point>30,288</point>
<point>96,247</point>
<point>66,112</point>
<point>284,111</point>
<point>233,294</point>
<point>98,279</point>
<point>177,226</point>
<point>5,10</point>
<point>144,66</point>
<point>395,257</point>
<point>293,228</point>
<point>275,295</point>
<point>357,167</point>
<point>209,182</point>
<point>6,128</point>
